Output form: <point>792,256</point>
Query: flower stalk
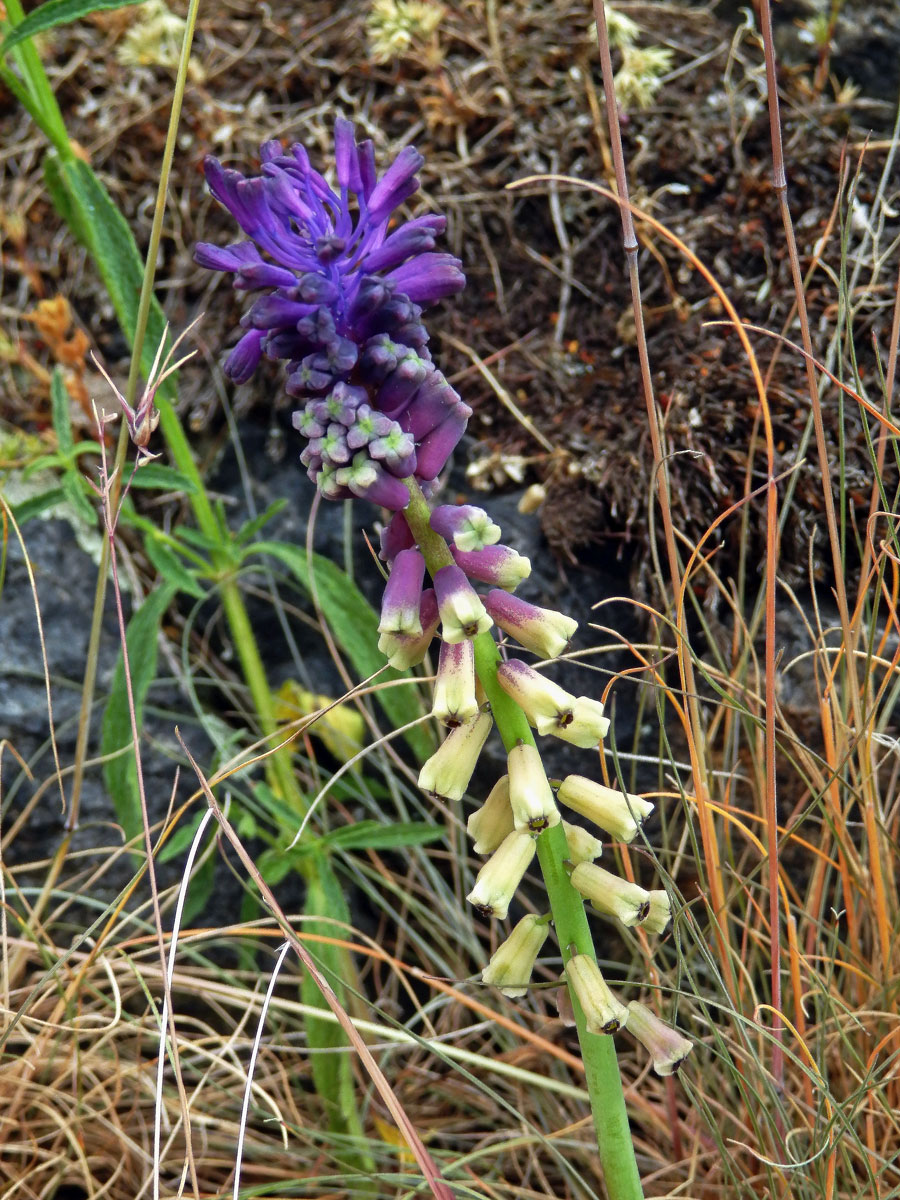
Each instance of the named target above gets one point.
<point>601,1066</point>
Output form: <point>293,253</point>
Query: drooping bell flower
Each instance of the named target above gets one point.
<point>619,814</point>
<point>462,613</point>
<point>490,824</point>
<point>530,795</point>
<point>513,961</point>
<point>610,894</point>
<point>405,650</point>
<point>603,1012</point>
<point>454,687</point>
<point>403,595</point>
<point>541,630</point>
<point>667,1047</point>
<point>448,771</point>
<point>499,878</point>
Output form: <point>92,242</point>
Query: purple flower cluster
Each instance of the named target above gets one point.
<point>342,307</point>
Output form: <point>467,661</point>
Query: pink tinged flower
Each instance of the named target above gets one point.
<point>395,536</point>
<point>666,1046</point>
<point>587,726</point>
<point>582,846</point>
<point>403,595</point>
<point>466,526</point>
<point>540,630</point>
<point>462,613</point>
<point>659,913</point>
<point>512,962</point>
<point>491,823</point>
<point>611,895</point>
<point>405,650</point>
<point>545,704</point>
<point>530,795</point>
<point>454,688</point>
<point>620,814</point>
<point>448,771</point>
<point>603,1012</point>
<point>498,879</point>
<point>499,566</point>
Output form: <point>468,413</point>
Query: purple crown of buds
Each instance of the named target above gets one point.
<point>342,307</point>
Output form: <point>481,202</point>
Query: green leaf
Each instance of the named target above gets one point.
<point>251,528</point>
<point>57,12</point>
<point>354,624</point>
<point>35,505</point>
<point>62,419</point>
<point>120,772</point>
<point>171,568</point>
<point>74,487</point>
<point>86,206</point>
<point>331,1072</point>
<point>376,835</point>
<point>166,479</point>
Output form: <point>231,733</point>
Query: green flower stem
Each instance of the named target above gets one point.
<point>604,1083</point>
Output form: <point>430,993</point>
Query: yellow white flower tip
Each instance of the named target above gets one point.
<point>404,650</point>
<point>501,875</point>
<point>530,795</point>
<point>491,823</point>
<point>454,687</point>
<point>587,726</point>
<point>512,962</point>
<point>462,613</point>
<point>620,814</point>
<point>666,1046</point>
<point>603,1012</point>
<point>610,894</point>
<point>582,846</point>
<point>448,771</point>
<point>659,912</point>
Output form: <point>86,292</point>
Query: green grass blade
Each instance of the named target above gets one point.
<point>57,12</point>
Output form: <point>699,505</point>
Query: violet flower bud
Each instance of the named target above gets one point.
<point>454,688</point>
<point>501,875</point>
<point>436,447</point>
<point>462,613</point>
<point>395,536</point>
<point>370,481</point>
<point>403,595</point>
<point>603,1012</point>
<point>448,771</point>
<point>491,823</point>
<point>465,526</point>
<point>541,630</point>
<point>620,814</point>
<point>582,846</point>
<point>666,1046</point>
<point>530,795</point>
<point>513,961</point>
<point>405,650</point>
<point>610,894</point>
<point>500,566</point>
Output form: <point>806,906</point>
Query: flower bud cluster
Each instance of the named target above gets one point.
<point>343,310</point>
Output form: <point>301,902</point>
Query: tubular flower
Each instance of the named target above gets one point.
<point>462,613</point>
<point>501,875</point>
<point>454,688</point>
<point>530,795</point>
<point>603,1012</point>
<point>540,630</point>
<point>667,1047</point>
<point>490,824</point>
<point>448,771</point>
<point>405,650</point>
<point>587,727</point>
<point>341,306</point>
<point>618,813</point>
<point>611,895</point>
<point>513,961</point>
<point>582,846</point>
<point>545,704</point>
<point>403,595</point>
<point>499,566</point>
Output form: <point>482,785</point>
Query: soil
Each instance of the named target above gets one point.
<point>499,93</point>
